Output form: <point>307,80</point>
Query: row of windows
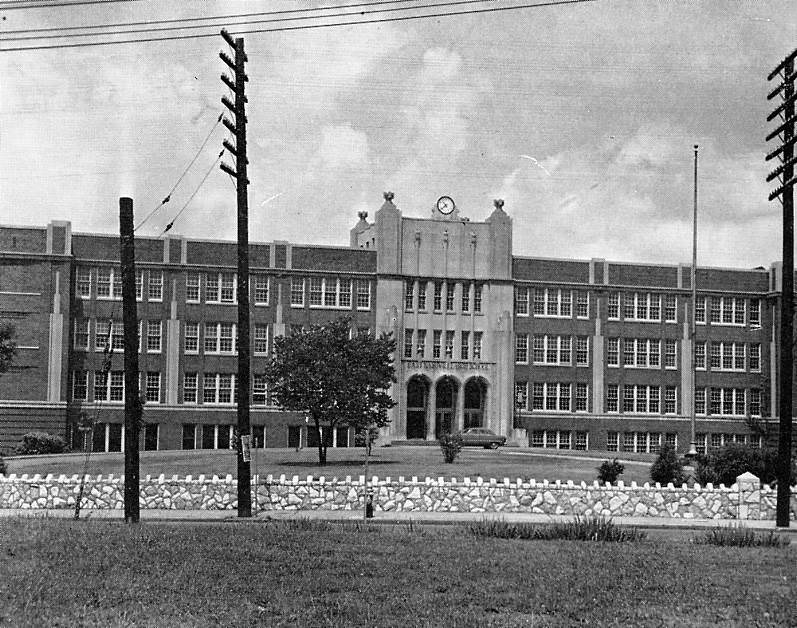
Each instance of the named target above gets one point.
<point>222,338</point>
<point>331,292</point>
<point>111,333</point>
<point>704,441</point>
<point>109,437</point>
<point>222,389</point>
<point>728,311</point>
<point>640,442</point>
<point>551,302</point>
<point>448,293</point>
<point>552,350</point>
<point>642,399</point>
<point>560,439</point>
<point>108,283</point>
<point>728,401</point>
<point>110,386</point>
<point>642,353</point>
<point>552,396</point>
<point>469,344</point>
<point>729,356</point>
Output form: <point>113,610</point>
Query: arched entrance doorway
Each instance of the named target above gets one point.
<point>475,397</point>
<point>417,400</point>
<point>446,392</point>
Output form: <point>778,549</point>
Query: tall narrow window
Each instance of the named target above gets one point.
<point>409,295</point>
<point>477,345</point>
<point>408,343</point>
<point>464,345</point>
<point>613,306</point>
<point>191,337</point>
<point>153,387</point>
<point>421,343</point>
<point>153,336</point>
<point>754,316</point>
<point>83,282</point>
<point>344,292</point>
<point>477,298</point>
<point>421,295</point>
<point>466,297</point>
<point>450,289</point>
<point>522,348</point>
<point>582,351</point>
<point>582,304</point>
<point>81,333</point>
<point>437,336</point>
<point>670,354</point>
<point>192,287</point>
<point>297,292</point>
<point>438,296</point>
<point>670,308</point>
<point>155,286</point>
<point>190,381</point>
<point>261,289</point>
<point>521,301</point>
<point>261,339</point>
<point>363,294</point>
<point>449,344</point>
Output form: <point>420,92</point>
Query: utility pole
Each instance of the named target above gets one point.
<point>238,129</point>
<point>130,324</point>
<point>692,453</point>
<point>785,173</point>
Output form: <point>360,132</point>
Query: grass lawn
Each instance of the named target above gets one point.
<point>387,461</point>
<point>297,573</point>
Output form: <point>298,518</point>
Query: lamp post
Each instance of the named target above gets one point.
<point>692,328</point>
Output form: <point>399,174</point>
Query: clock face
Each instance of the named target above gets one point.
<point>445,204</point>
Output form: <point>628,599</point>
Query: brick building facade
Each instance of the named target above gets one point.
<point>552,353</point>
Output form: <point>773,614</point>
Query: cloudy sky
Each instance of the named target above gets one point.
<point>582,117</point>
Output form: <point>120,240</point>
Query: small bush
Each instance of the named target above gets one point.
<point>41,443</point>
<point>739,536</point>
<point>3,466</point>
<point>610,470</point>
<point>592,528</point>
<point>668,467</point>
<point>451,446</point>
<point>725,464</point>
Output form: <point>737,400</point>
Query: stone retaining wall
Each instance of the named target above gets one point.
<point>746,499</point>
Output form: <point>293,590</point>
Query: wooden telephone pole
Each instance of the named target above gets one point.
<point>238,129</point>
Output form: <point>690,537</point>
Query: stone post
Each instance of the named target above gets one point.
<point>749,496</point>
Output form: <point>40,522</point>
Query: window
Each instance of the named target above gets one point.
<point>477,297</point>
<point>522,348</point>
<point>700,355</point>
<point>612,441</point>
<point>261,339</point>
<point>727,311</point>
<point>613,306</point>
<point>582,399</point>
<point>83,282</point>
<point>155,286</point>
<point>552,302</point>
<point>139,285</point>
<point>438,296</point>
<point>297,292</point>
<point>641,399</point>
<point>464,345</point>
<point>754,315</point>
<point>670,308</point>
<point>728,401</point>
<point>754,359</point>
<point>613,352</point>
<point>521,395</point>
<point>450,289</point>
<point>109,283</point>
<point>582,441</point>
<point>190,384</point>
<point>217,388</point>
<point>521,301</point>
<point>727,356</point>
<point>220,287</point>
<point>612,398</point>
<point>316,292</point>
<point>700,310</point>
<point>421,295</point>
<point>363,294</point>
<point>259,393</point>
<point>330,292</point>
<point>189,435</point>
<point>153,336</point>
<point>641,353</point>
<point>639,442</point>
<point>477,345</point>
<point>437,336</point>
<point>106,329</point>
<point>670,354</point>
<point>465,297</point>
<point>670,399</point>
<point>755,402</point>
<point>582,304</point>
<point>152,390</point>
<point>550,396</point>
<point>449,344</point>
<point>220,337</point>
<point>421,343</point>
<point>192,287</point>
<point>552,350</point>
<point>582,351</point>
<point>81,333</point>
<point>700,400</point>
<point>409,294</point>
<point>80,385</point>
<point>191,338</point>
<point>408,344</point>
<point>261,289</point>
<point>109,386</point>
<point>641,306</point>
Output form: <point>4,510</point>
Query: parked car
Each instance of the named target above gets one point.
<point>482,437</point>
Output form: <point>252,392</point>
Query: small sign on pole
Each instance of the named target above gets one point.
<point>246,447</point>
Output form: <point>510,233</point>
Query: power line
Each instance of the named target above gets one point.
<point>12,6</point>
<point>187,168</point>
<point>201,183</point>
<point>248,22</point>
<point>304,27</point>
<point>213,17</point>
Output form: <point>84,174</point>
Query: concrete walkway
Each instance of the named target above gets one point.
<point>352,516</point>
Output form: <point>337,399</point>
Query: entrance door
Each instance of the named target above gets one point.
<point>446,403</point>
<point>475,389</point>
<point>417,397</point>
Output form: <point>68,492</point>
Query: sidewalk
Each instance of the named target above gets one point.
<point>352,516</point>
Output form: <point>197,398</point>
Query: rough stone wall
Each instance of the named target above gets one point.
<point>404,495</point>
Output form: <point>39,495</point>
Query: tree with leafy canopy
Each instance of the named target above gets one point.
<point>8,348</point>
<point>335,378</point>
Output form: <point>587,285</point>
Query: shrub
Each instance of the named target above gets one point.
<point>739,536</point>
<point>594,528</point>
<point>451,446</point>
<point>668,467</point>
<point>3,466</point>
<point>41,443</point>
<point>724,465</point>
<point>610,470</point>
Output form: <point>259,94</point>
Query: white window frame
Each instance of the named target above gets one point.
<point>613,351</point>
<point>152,382</point>
<point>582,304</point>
<point>82,378</point>
<point>558,345</point>
<point>521,348</point>
<point>215,285</point>
<point>581,346</point>
<point>79,332</point>
<point>298,287</point>
<point>363,288</point>
<point>521,301</point>
<point>194,377</point>
<point>670,308</point>
<point>154,331</point>
<point>190,286</point>
<point>83,276</point>
<point>193,336</point>
<point>217,338</point>
<point>644,302</point>
<point>670,356</point>
<point>259,328</point>
<point>261,284</point>
<point>555,302</point>
<point>155,286</point>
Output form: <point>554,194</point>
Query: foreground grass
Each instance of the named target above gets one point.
<point>389,461</point>
<point>64,573</point>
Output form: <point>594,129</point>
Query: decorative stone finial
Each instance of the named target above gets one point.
<point>362,215</point>
<point>499,203</point>
<point>388,196</point>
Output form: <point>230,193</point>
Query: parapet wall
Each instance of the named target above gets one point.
<point>746,499</point>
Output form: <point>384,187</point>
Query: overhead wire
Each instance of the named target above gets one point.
<point>278,29</point>
<point>188,202</point>
<point>187,168</point>
<point>30,4</point>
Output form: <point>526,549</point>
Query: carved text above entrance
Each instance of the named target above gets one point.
<point>449,364</point>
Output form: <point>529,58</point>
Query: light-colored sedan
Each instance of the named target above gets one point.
<point>482,437</point>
